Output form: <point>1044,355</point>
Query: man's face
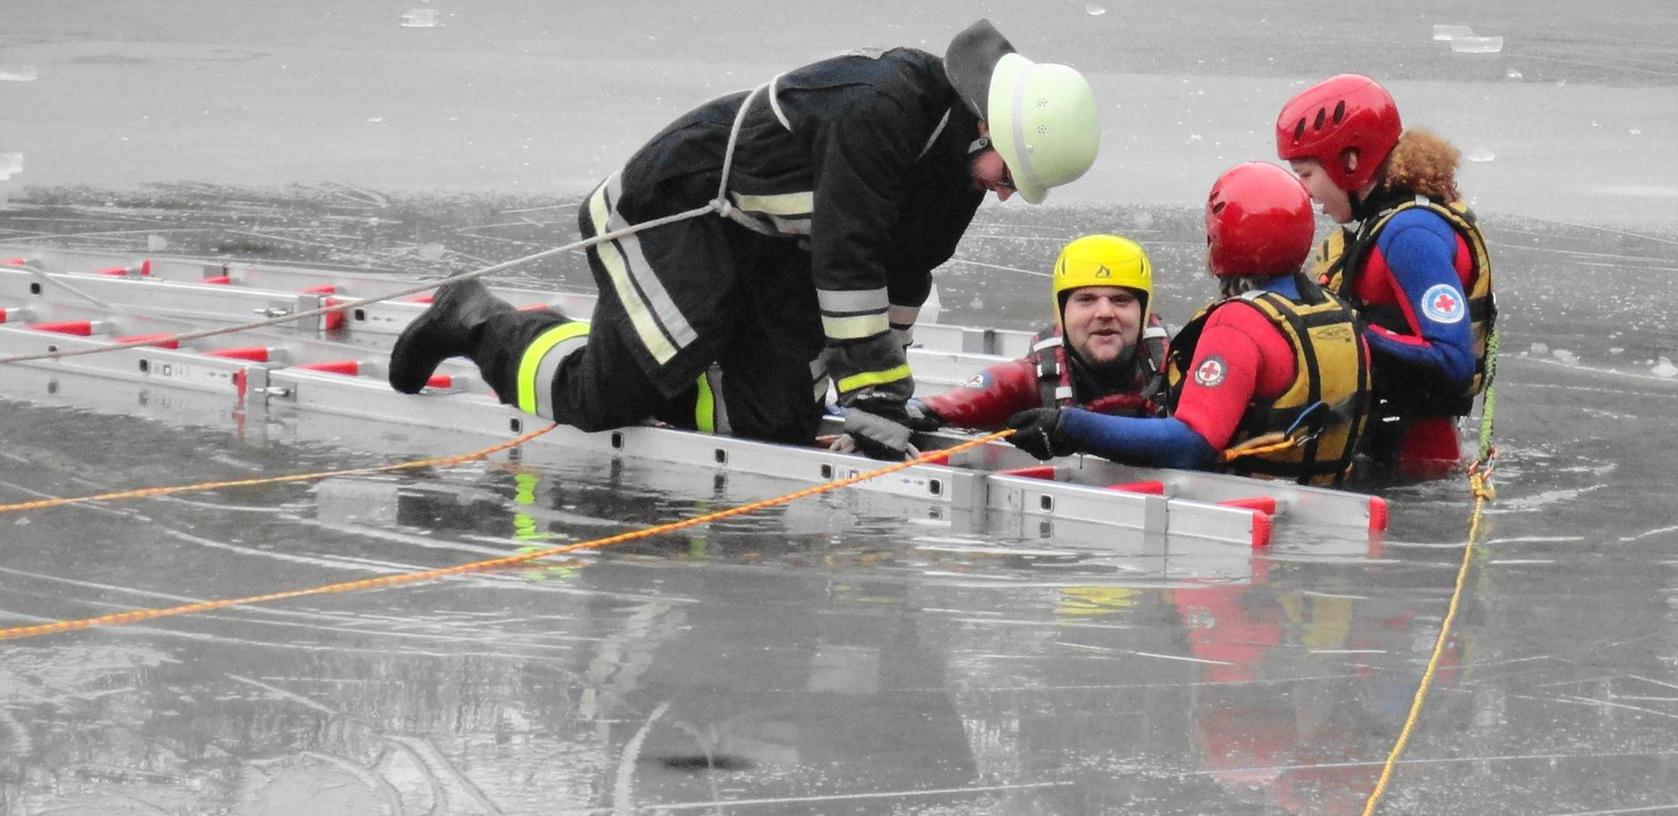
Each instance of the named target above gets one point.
<point>991,173</point>
<point>1103,323</point>
<point>1334,201</point>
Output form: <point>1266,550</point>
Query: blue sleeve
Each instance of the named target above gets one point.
<point>1420,251</point>
<point>1137,440</point>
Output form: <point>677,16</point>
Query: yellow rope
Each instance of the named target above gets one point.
<point>138,615</point>
<point>1479,482</point>
<point>152,492</point>
<point>1260,445</point>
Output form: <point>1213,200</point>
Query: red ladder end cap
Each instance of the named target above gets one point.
<point>1151,488</point>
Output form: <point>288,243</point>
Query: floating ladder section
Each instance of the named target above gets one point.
<point>335,363</point>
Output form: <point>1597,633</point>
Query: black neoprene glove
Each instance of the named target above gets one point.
<point>1038,432</point>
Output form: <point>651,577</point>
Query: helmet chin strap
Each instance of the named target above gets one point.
<point>978,145</point>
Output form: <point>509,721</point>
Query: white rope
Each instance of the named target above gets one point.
<point>339,307</point>
<point>45,278</point>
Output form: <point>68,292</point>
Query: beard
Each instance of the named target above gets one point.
<point>1112,373</point>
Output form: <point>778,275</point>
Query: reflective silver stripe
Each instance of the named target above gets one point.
<point>549,368</point>
<point>820,383</point>
<point>662,327</point>
<point>845,301</point>
<point>902,319</point>
<point>790,226</point>
<point>1063,392</point>
<point>1154,332</point>
<point>775,214</point>
<point>784,204</point>
<point>719,408</point>
<point>1046,343</point>
<point>935,131</point>
<point>855,327</point>
<point>757,225</point>
<point>775,102</point>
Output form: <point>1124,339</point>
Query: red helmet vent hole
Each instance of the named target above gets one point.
<point>1299,129</point>
<point>1339,111</point>
<point>1322,115</point>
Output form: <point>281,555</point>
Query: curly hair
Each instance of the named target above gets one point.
<point>1423,161</point>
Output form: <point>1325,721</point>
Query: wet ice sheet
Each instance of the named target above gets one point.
<point>828,657</point>
<point>840,655</point>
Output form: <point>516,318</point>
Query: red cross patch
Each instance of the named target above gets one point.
<point>1442,303</point>
<point>1210,372</point>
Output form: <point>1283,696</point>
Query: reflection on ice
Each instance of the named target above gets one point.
<point>18,73</point>
<point>420,18</point>
<point>1463,40</point>
<point>1664,368</point>
<point>1476,45</point>
<point>1447,33</point>
<point>1480,153</point>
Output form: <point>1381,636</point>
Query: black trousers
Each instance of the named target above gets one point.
<point>758,347</point>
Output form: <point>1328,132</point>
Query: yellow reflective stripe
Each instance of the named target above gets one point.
<point>867,378</point>
<point>531,362</point>
<point>704,407</point>
<point>639,315</point>
<point>783,204</point>
<point>855,327</point>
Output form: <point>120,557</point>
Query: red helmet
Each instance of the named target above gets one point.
<point>1350,112</point>
<point>1258,222</point>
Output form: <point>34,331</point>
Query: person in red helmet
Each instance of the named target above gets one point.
<point>1414,264</point>
<point>1274,371</point>
<point>1105,350</point>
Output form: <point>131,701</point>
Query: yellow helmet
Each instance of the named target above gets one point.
<point>1043,122</point>
<point>1103,260</point>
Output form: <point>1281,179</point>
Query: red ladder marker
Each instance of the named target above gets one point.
<point>1377,514</point>
<point>1263,504</point>
<point>1150,487</point>
<point>1261,530</point>
<point>348,368</point>
<point>83,328</point>
<point>167,341</point>
<point>254,354</point>
<point>143,270</point>
<point>1031,472</point>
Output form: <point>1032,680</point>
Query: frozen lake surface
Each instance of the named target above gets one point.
<point>840,655</point>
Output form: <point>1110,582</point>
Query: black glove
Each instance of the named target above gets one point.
<point>919,417</point>
<point>876,436</point>
<point>1038,433</point>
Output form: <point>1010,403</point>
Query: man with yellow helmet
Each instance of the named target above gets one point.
<point>1271,379</point>
<point>833,190</point>
<point>1105,351</point>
